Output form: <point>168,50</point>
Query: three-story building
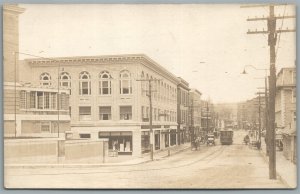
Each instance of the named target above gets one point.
<point>108,100</point>
<point>183,111</point>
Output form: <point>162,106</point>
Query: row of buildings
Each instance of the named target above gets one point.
<point>285,111</point>
<point>285,103</point>
<point>97,97</point>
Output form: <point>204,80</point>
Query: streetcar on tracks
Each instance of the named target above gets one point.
<point>226,136</point>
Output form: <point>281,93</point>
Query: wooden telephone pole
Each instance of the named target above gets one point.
<point>272,32</point>
<point>149,94</point>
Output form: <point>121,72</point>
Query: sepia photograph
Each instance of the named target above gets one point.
<point>149,96</point>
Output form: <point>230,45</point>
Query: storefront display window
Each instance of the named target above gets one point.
<point>118,141</point>
<point>145,141</point>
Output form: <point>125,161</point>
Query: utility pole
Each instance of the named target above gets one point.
<point>267,116</point>
<point>272,39</point>
<point>207,117</point>
<point>150,119</point>
<point>192,124</point>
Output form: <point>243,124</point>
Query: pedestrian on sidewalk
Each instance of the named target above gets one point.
<point>197,142</point>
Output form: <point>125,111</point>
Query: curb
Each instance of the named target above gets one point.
<point>177,152</point>
<point>278,176</point>
<point>86,165</point>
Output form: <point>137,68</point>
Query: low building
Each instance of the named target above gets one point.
<point>35,111</point>
<point>28,111</point>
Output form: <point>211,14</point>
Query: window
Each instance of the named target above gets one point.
<point>294,80</point>
<point>147,112</point>
<point>45,127</point>
<point>32,99</point>
<point>85,113</point>
<point>46,100</point>
<point>294,96</point>
<point>65,80</point>
<point>85,135</point>
<point>143,112</point>
<point>125,83</point>
<point>23,99</point>
<point>104,113</point>
<point>45,79</point>
<point>40,100</point>
<point>104,83</point>
<point>125,112</point>
<point>54,100</point>
<point>84,83</point>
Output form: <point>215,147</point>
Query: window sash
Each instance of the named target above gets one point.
<point>125,87</point>
<point>85,88</point>
<point>45,127</point>
<point>23,99</point>
<point>85,110</point>
<point>105,87</point>
<point>105,116</point>
<point>105,113</point>
<point>126,113</point>
<point>85,113</point>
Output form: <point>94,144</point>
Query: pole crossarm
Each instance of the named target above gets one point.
<point>267,32</point>
<point>255,68</point>
<point>267,18</point>
<point>262,5</point>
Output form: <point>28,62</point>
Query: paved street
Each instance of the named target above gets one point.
<point>233,166</point>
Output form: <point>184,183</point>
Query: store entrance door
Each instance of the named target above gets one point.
<point>157,141</point>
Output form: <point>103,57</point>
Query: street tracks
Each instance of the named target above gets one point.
<point>206,158</point>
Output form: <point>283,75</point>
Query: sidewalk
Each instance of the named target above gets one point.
<point>115,161</point>
<point>285,169</point>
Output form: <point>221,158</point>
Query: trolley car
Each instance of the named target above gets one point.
<point>226,137</point>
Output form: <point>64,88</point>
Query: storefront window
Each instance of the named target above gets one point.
<point>118,141</point>
<point>173,137</point>
<point>145,141</point>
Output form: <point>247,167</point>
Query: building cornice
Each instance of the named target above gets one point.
<point>12,9</point>
<point>106,59</point>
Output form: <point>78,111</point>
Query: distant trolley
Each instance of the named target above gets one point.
<point>226,137</point>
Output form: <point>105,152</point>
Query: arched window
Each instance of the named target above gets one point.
<point>84,83</point>
<point>104,83</point>
<point>125,83</point>
<point>45,79</point>
<point>65,80</point>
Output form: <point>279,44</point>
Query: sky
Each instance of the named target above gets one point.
<point>207,45</point>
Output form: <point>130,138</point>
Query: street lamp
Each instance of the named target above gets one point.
<point>267,106</point>
<point>244,71</point>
